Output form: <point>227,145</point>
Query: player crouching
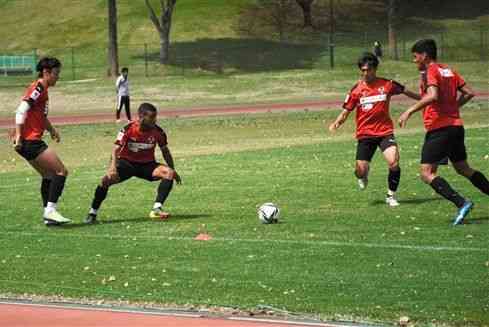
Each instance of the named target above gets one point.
<point>134,155</point>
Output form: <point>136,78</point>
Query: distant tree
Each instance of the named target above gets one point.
<point>306,6</point>
<point>268,18</point>
<point>392,24</point>
<point>163,25</point>
<point>113,52</point>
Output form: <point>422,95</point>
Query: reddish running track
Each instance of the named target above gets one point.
<point>209,111</point>
<point>30,315</point>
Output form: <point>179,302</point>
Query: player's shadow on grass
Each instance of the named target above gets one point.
<point>137,220</point>
<point>407,201</point>
<point>477,220</point>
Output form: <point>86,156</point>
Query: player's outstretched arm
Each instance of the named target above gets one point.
<point>466,96</point>
<point>411,94</point>
<point>165,152</point>
<point>339,120</point>
<point>430,96</point>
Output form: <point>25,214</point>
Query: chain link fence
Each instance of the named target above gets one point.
<point>231,56</point>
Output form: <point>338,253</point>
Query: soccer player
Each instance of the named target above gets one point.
<point>31,120</point>
<point>440,86</point>
<point>134,156</point>
<point>122,88</point>
<point>370,97</point>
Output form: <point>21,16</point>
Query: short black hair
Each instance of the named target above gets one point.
<point>47,63</point>
<point>427,46</point>
<point>125,69</point>
<point>146,107</point>
<point>368,58</point>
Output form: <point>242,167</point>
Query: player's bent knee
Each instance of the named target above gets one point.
<point>426,177</point>
<point>62,172</point>
<point>107,181</point>
<point>164,172</point>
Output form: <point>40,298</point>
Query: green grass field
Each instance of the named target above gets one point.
<point>338,252</point>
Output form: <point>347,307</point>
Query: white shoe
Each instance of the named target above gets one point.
<point>362,183</point>
<point>55,218</point>
<point>391,201</point>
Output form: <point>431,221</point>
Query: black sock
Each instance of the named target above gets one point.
<point>442,187</point>
<point>480,181</point>
<point>164,190</point>
<point>45,184</point>
<point>99,197</point>
<point>394,178</point>
<point>56,188</point>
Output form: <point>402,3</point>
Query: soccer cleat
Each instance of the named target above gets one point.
<point>463,212</point>
<point>55,218</point>
<point>158,214</point>
<point>362,183</point>
<point>117,120</point>
<point>91,219</point>
<point>391,201</point>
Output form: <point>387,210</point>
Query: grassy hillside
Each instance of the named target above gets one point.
<point>54,24</point>
<point>65,23</point>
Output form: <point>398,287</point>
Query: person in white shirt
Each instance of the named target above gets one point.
<point>122,88</point>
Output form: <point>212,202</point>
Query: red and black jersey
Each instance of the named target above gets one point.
<point>445,111</point>
<point>139,146</point>
<point>35,121</point>
<point>372,104</point>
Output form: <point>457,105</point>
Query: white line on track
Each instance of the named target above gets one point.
<point>434,248</point>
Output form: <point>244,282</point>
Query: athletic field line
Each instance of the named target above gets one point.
<point>434,248</point>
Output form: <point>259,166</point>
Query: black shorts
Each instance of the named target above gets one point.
<point>30,150</point>
<point>446,142</point>
<point>127,169</point>
<point>366,147</point>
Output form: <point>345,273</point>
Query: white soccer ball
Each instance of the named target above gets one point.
<point>268,213</point>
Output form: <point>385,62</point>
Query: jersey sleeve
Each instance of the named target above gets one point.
<point>351,100</point>
<point>459,80</point>
<point>34,93</point>
<point>432,77</point>
<point>162,140</point>
<point>121,137</point>
<point>397,88</point>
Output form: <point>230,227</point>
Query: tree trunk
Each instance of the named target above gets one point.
<point>306,6</point>
<point>392,8</point>
<point>164,48</point>
<point>163,26</point>
<point>113,52</point>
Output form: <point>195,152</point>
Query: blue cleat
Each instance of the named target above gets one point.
<point>463,212</point>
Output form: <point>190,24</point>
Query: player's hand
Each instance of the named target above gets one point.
<point>333,127</point>
<point>178,179</point>
<point>55,135</point>
<point>403,119</point>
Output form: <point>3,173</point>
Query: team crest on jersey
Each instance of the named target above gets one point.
<point>445,72</point>
<point>381,90</point>
<point>151,139</point>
